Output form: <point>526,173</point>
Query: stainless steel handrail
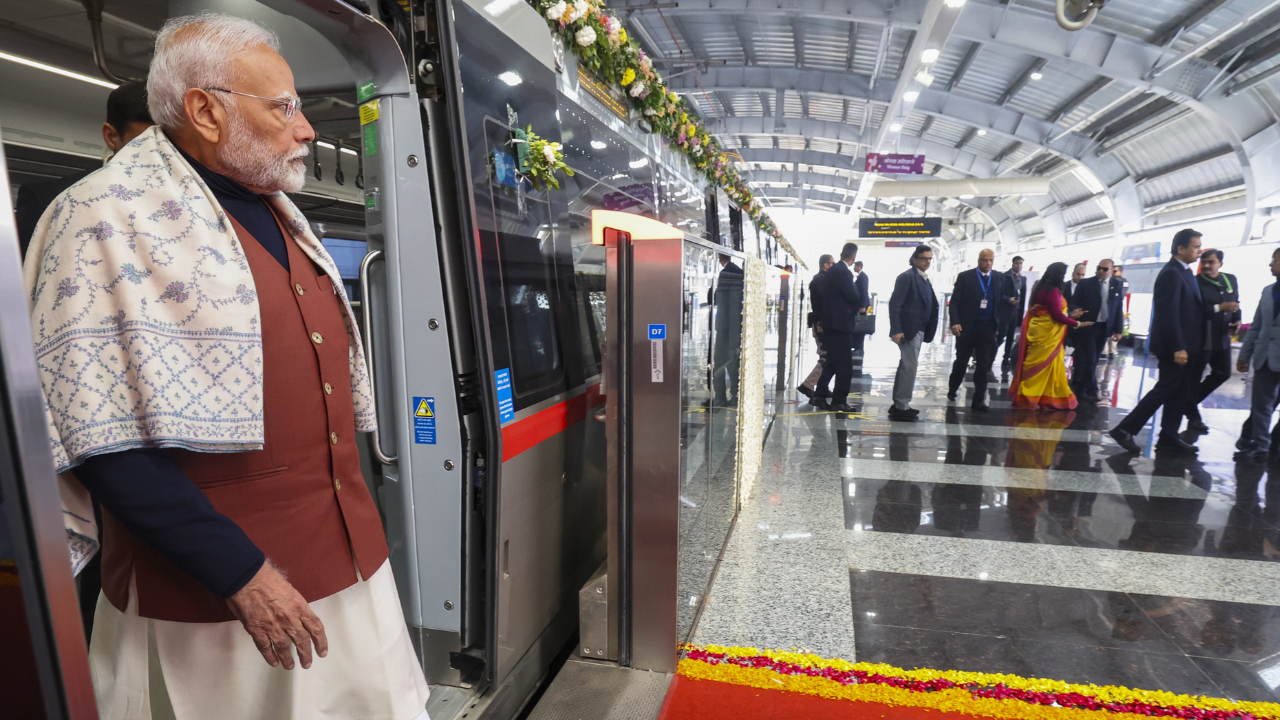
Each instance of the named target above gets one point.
<point>366,313</point>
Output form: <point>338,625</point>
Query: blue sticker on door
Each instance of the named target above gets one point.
<point>506,402</point>
<point>424,420</point>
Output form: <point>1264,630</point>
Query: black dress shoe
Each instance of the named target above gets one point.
<point>912,412</point>
<point>1176,445</point>
<point>901,415</point>
<point>820,404</point>
<point>981,407</point>
<point>1093,399</point>
<point>1197,426</point>
<point>842,408</point>
<point>951,396</point>
<point>805,391</point>
<point>1125,440</point>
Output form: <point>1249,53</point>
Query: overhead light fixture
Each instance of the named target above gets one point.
<point>981,133</point>
<point>598,145</point>
<point>924,78</point>
<point>57,70</point>
<point>325,145</point>
<point>967,196</point>
<point>895,127</point>
<point>930,55</point>
<point>349,151</point>
<point>955,3</point>
<point>511,78</point>
<point>1037,75</point>
<point>640,163</point>
<point>910,96</point>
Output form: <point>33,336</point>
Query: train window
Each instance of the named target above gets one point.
<point>527,263</point>
<point>347,255</point>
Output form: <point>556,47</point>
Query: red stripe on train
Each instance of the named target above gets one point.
<point>544,424</point>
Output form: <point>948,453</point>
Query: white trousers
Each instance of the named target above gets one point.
<point>146,669</point>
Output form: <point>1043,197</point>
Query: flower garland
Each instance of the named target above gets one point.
<point>603,46</point>
<point>983,694</point>
<point>544,159</point>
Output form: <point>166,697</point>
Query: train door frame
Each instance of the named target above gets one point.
<point>33,510</point>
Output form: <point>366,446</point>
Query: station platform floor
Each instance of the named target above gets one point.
<point>1008,541</point>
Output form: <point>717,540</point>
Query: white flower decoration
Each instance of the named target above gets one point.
<point>650,112</point>
<point>637,89</point>
<point>579,11</point>
<point>586,37</point>
<point>549,153</point>
<point>555,12</point>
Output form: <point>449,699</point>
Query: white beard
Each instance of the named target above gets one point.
<point>251,162</point>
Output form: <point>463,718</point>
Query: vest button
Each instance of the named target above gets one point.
<point>298,287</point>
<point>337,484</point>
<point>328,389</point>
<point>317,338</point>
<point>333,438</point>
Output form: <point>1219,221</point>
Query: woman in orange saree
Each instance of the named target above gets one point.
<point>1040,381</point>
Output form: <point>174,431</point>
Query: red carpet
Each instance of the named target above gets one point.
<point>709,700</point>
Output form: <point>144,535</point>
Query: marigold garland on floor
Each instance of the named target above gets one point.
<point>982,694</point>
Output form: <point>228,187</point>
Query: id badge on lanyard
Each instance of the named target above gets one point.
<point>986,288</point>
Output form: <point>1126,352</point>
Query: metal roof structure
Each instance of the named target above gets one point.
<point>1156,105</point>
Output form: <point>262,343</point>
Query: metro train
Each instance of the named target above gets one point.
<point>492,313</point>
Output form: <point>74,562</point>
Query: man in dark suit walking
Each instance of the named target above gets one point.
<point>1013,326</point>
<point>728,344</point>
<point>810,387</point>
<point>840,305</point>
<point>1103,304</point>
<point>980,303</point>
<point>913,321</point>
<point>1177,337</point>
<point>127,118</point>
<point>1221,294</point>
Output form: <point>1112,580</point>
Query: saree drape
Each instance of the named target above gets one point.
<point>1041,378</point>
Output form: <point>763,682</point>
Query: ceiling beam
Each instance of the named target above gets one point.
<point>853,47</point>
<point>1187,22</point>
<point>1079,99</point>
<point>886,36</point>
<point>969,135</point>
<point>746,40</point>
<point>1036,66</point>
<point>963,67</point>
<point>1231,28</point>
<point>904,14</point>
<point>1201,159</point>
<point>759,78</point>
<point>797,41</point>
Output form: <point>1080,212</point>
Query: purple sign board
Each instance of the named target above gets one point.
<point>895,164</point>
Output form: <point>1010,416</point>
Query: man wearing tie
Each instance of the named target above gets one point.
<point>1013,325</point>
<point>1177,336</point>
<point>841,303</point>
<point>1101,301</point>
<point>980,302</point>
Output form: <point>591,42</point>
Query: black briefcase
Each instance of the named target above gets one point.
<point>864,324</point>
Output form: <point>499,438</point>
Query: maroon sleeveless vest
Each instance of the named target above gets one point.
<point>302,498</point>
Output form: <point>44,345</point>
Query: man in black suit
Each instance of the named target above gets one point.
<point>913,320</point>
<point>1221,294</point>
<point>840,305</point>
<point>861,282</point>
<point>1103,304</point>
<point>728,345</point>
<point>980,304</point>
<point>1177,337</point>
<point>810,387</point>
<point>127,118</point>
<point>1013,326</point>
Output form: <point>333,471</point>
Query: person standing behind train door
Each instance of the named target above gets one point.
<point>239,536</point>
<point>979,304</point>
<point>913,321</point>
<point>1177,337</point>
<point>1221,293</point>
<point>840,306</point>
<point>810,388</point>
<point>728,347</point>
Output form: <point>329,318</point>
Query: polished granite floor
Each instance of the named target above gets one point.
<point>1008,541</point>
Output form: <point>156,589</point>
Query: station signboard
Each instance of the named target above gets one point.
<point>895,164</point>
<point>901,227</point>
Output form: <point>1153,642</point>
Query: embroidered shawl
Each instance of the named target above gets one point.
<point>145,319</point>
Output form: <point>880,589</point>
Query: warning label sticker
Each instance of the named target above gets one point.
<point>424,420</point>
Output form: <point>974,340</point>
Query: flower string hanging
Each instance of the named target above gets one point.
<point>603,47</point>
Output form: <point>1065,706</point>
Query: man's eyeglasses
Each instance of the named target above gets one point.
<point>290,106</point>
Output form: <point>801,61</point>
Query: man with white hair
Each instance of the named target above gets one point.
<point>204,383</point>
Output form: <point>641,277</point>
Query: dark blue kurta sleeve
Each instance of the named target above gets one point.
<point>150,495</point>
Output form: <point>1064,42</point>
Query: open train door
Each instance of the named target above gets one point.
<point>44,666</point>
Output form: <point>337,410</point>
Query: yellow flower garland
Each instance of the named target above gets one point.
<point>949,700</point>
